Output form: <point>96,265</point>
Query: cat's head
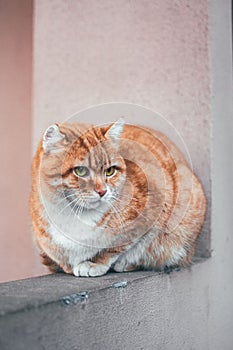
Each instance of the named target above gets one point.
<point>83,165</point>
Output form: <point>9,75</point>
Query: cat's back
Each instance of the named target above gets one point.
<point>162,148</point>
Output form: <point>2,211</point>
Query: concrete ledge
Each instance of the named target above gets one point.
<point>137,310</point>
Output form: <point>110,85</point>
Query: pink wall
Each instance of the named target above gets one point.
<point>153,53</point>
<point>16,254</point>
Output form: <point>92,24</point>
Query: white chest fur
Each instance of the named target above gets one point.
<point>79,237</point>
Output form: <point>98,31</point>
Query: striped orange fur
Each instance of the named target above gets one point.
<point>117,196</point>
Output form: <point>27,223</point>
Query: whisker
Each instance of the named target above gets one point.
<point>69,204</point>
<point>63,199</point>
<point>72,210</point>
<point>118,216</point>
<point>79,209</point>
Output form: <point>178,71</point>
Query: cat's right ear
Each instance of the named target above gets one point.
<point>51,138</point>
<point>115,131</point>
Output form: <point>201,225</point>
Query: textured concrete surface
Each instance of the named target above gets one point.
<point>139,310</point>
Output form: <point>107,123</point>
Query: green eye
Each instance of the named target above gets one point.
<point>110,171</point>
<point>81,171</point>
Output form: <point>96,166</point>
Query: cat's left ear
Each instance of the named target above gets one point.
<point>115,131</point>
<point>52,137</point>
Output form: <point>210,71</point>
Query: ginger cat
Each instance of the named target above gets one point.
<point>118,196</point>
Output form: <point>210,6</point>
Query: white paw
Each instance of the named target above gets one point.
<point>90,269</point>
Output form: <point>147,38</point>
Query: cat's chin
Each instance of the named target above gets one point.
<point>93,205</point>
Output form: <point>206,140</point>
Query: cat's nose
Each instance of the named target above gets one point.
<point>101,193</point>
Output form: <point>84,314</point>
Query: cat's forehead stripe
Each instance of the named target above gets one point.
<point>89,140</point>
<point>99,157</point>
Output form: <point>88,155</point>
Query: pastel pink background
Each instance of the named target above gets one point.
<point>16,251</point>
<point>152,53</point>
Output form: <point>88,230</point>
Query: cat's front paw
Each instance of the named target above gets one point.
<point>90,269</point>
<point>123,266</point>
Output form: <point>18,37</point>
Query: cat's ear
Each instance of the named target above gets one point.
<point>52,137</point>
<point>115,131</point>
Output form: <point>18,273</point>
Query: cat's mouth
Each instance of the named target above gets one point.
<point>93,204</point>
<point>84,203</point>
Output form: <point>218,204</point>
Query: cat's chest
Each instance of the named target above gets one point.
<point>69,230</point>
<point>70,249</point>
<point>75,235</point>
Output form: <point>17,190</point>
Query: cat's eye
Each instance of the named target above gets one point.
<point>81,171</point>
<point>110,171</point>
